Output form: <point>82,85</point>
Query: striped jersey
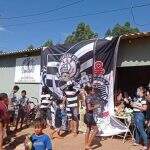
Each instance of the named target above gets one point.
<point>72,98</point>
<point>139,101</point>
<point>45,101</point>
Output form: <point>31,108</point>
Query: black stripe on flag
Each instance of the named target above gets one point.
<point>53,58</point>
<point>50,83</point>
<point>86,57</point>
<point>52,70</point>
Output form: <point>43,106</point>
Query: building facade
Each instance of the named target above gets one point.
<point>7,72</point>
<point>133,66</point>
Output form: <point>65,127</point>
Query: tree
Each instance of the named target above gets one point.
<point>48,43</point>
<point>82,32</point>
<point>1,52</point>
<point>121,29</point>
<point>30,47</point>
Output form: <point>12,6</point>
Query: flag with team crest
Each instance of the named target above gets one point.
<point>90,62</point>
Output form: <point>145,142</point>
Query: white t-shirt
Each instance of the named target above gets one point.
<point>139,102</point>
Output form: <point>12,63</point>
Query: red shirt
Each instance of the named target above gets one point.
<point>3,112</point>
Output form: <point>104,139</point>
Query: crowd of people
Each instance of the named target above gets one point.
<point>13,109</point>
<point>60,114</point>
<point>140,106</point>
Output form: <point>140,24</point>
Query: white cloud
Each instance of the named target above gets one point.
<point>2,29</point>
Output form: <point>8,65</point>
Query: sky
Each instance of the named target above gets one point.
<point>19,33</point>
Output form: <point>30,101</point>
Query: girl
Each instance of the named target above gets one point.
<point>92,128</point>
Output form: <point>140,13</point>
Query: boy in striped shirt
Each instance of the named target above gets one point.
<point>72,107</point>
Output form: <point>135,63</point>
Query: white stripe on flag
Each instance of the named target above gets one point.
<point>72,99</point>
<point>52,64</point>
<point>85,49</point>
<point>45,95</point>
<point>86,64</point>
<point>51,77</point>
<point>72,105</point>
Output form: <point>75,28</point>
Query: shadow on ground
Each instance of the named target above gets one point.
<point>18,140</point>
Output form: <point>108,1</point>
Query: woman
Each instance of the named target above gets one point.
<point>92,128</point>
<point>139,107</point>
<point>119,105</point>
<point>127,100</point>
<point>118,98</point>
<point>147,122</point>
<point>4,117</point>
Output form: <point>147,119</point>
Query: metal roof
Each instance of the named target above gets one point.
<point>21,51</point>
<point>135,35</point>
<point>125,36</point>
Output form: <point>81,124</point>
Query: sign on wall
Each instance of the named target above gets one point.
<point>27,70</point>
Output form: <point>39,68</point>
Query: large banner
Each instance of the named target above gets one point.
<point>27,70</point>
<point>87,62</point>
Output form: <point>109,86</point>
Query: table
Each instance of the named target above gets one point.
<point>127,121</point>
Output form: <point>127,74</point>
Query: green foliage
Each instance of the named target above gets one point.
<point>48,43</point>
<point>30,47</point>
<point>121,29</point>
<point>82,32</point>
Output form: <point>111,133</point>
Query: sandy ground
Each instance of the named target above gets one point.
<point>73,143</point>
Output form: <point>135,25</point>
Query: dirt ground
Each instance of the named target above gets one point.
<point>73,143</point>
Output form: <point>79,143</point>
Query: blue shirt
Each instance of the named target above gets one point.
<point>41,142</point>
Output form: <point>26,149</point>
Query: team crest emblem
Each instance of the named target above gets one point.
<point>28,65</point>
<point>68,67</point>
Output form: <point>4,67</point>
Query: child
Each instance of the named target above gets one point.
<point>4,116</point>
<point>58,119</point>
<point>45,106</point>
<point>40,141</point>
<point>92,128</point>
<point>23,104</point>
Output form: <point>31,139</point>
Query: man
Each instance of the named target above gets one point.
<point>72,107</point>
<point>23,106</point>
<point>4,116</point>
<point>13,103</point>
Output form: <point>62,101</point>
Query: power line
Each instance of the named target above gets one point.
<point>42,13</point>
<point>70,17</point>
<point>133,17</point>
<point>78,16</point>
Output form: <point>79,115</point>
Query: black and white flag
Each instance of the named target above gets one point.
<point>87,62</point>
<point>63,64</point>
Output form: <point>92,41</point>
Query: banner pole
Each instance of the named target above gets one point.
<point>115,59</point>
<point>94,48</point>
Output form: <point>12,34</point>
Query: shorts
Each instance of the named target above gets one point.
<point>89,119</point>
<point>58,118</point>
<point>43,113</point>
<point>21,114</point>
<point>48,114</point>
<point>72,113</point>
